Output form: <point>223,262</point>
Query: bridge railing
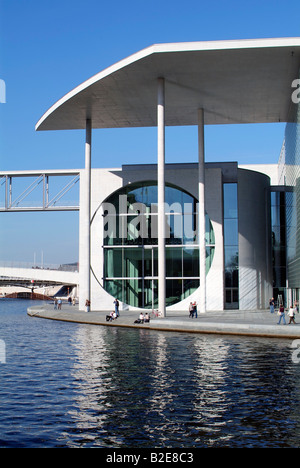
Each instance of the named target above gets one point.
<point>47,266</point>
<point>39,191</point>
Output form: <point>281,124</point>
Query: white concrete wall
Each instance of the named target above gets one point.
<point>255,266</point>
<point>214,209</point>
<point>104,183</point>
<point>271,170</point>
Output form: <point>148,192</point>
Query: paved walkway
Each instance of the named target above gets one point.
<point>248,323</point>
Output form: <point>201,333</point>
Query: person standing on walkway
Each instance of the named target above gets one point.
<point>272,305</point>
<point>292,315</point>
<point>88,305</point>
<point>281,315</point>
<point>116,302</point>
<point>195,309</point>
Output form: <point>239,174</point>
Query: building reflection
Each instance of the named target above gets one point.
<point>138,388</point>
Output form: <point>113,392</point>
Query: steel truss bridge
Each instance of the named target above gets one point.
<point>39,190</point>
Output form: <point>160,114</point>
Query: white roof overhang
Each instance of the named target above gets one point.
<point>246,81</point>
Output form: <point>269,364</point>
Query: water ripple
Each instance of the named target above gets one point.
<point>69,385</point>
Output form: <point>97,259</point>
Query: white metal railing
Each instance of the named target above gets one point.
<point>33,265</point>
<point>16,198</point>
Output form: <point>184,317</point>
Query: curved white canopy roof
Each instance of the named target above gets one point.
<point>247,81</point>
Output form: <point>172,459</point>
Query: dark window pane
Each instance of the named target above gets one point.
<point>173,262</point>
<point>191,262</point>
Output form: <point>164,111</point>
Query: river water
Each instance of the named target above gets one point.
<point>70,385</point>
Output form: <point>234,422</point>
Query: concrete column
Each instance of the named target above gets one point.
<point>86,218</point>
<point>201,213</point>
<point>161,196</point>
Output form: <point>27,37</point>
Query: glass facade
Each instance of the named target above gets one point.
<point>231,246</point>
<point>279,201</point>
<point>130,245</point>
<point>292,168</point>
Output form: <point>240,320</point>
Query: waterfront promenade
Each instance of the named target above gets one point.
<point>229,322</point>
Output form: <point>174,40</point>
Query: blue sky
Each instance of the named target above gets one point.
<point>49,47</point>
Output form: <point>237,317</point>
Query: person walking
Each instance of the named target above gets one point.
<point>281,315</point>
<point>292,315</point>
<point>272,305</point>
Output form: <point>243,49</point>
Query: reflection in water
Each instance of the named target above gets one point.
<point>68,385</point>
<point>209,406</point>
<point>89,372</point>
<point>145,389</point>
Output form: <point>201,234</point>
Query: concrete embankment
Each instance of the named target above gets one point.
<point>242,323</point>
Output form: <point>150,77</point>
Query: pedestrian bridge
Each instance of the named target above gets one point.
<point>39,275</point>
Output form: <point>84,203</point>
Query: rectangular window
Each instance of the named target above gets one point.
<point>132,264</point>
<point>231,231</point>
<point>280,231</point>
<point>113,263</point>
<point>174,262</point>
<point>230,201</point>
<point>191,262</point>
<point>231,246</point>
<point>174,291</point>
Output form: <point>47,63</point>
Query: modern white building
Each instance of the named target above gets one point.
<point>160,236</point>
<point>124,240</point>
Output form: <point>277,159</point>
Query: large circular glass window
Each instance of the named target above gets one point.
<point>130,245</point>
